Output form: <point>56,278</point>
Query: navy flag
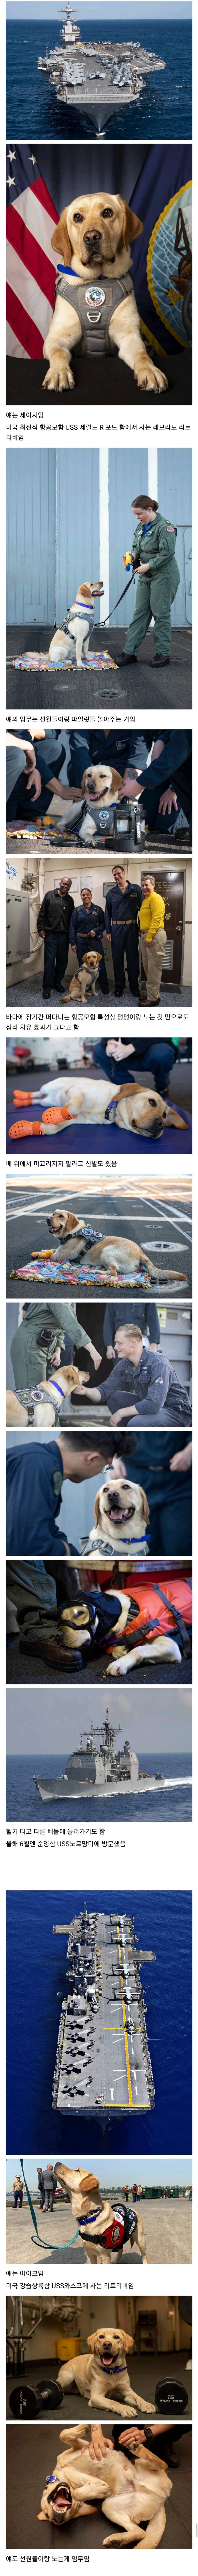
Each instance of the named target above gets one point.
<point>162,253</point>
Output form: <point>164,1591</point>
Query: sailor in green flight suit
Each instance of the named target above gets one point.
<point>153,554</point>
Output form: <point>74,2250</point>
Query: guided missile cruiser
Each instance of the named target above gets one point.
<point>94,1765</point>
<point>103,2063</point>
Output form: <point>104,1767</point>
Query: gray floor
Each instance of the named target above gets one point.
<point>27,2464</point>
<point>136,686</point>
<point>144,2372</point>
<point>30,991</point>
<point>160,1229</point>
<point>23,1667</point>
<point>167,2227</point>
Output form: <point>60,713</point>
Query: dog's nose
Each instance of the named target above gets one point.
<point>92,237</point>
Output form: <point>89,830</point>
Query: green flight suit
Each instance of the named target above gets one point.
<point>155,589</point>
<point>30,1358</point>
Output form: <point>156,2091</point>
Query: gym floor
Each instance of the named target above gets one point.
<point>144,2368</point>
<point>30,2460</point>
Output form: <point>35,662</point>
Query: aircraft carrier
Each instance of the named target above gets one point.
<point>103,2063</point>
<point>95,76</point>
<point>95,1765</point>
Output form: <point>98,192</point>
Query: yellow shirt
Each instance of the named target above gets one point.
<point>151,917</point>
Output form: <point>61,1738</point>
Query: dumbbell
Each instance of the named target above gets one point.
<point>43,2400</point>
<point>170,2397</point>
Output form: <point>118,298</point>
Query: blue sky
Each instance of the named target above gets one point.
<point>144,2169</point>
<point>37,1724</point>
<point>144,9</point>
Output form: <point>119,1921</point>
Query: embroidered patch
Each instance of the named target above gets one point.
<point>169,263</point>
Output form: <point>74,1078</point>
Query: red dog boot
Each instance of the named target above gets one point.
<point>21,1128</point>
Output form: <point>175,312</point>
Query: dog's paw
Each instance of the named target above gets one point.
<point>58,377</point>
<point>149,376</point>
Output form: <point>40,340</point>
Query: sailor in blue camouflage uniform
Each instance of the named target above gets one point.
<point>87,931</point>
<point>121,924</point>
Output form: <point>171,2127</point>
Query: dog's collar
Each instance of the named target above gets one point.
<point>63,271</point>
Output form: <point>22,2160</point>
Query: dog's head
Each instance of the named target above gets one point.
<point>62,1225</point>
<point>100,782</point>
<point>147,1111</point>
<point>121,1508</point>
<point>58,2500</point>
<point>76,2178</point>
<point>109,2345</point>
<point>94,234</point>
<point>90,961</point>
<point>89,590</point>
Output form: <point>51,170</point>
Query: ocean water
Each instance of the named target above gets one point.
<point>163,110</point>
<point>35,1985</point>
<point>173,1804</point>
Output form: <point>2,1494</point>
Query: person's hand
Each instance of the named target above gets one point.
<point>144,567</point>
<point>118,1467</point>
<point>110,1351</point>
<point>30,755</point>
<point>57,1354</point>
<point>127,2439</point>
<point>108,936</point>
<point>95,1355</point>
<point>35,784</point>
<point>99,2443</point>
<point>167,800</point>
<point>130,786</point>
<point>182,1460</point>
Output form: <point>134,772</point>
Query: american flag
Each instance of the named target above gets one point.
<point>30,261</point>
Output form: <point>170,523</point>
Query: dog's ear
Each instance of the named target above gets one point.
<point>97,1508</point>
<point>131,223</point>
<point>145,1504</point>
<point>128,2341</point>
<point>173,1119</point>
<point>91,2340</point>
<point>60,239</point>
<point>83,780</point>
<point>90,2182</point>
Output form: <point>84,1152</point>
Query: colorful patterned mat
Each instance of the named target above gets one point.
<point>40,662</point>
<point>37,1270</point>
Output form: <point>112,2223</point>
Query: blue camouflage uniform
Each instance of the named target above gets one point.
<point>33,1496</point>
<point>121,920</point>
<point>81,926</point>
<point>153,1387</point>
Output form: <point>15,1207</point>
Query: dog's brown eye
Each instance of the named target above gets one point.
<point>77,219</point>
<point>108,210</point>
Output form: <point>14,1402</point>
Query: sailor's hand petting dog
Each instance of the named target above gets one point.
<point>130,786</point>
<point>115,1047</point>
<point>99,2443</point>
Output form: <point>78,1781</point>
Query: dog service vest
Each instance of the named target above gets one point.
<point>94,304</point>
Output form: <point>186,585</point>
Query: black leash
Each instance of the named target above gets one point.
<point>122,595</point>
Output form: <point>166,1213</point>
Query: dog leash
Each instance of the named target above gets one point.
<point>122,595</point>
<point>50,2249</point>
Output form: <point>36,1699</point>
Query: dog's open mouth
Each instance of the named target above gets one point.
<point>107,2358</point>
<point>61,2501</point>
<point>119,1512</point>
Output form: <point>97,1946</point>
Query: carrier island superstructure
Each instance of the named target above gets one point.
<point>103,2063</point>
<point>96,76</point>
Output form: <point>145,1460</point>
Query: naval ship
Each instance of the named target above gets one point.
<point>96,76</point>
<point>103,2063</point>
<point>95,1765</point>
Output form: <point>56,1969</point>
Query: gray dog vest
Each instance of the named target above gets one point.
<point>94,304</point>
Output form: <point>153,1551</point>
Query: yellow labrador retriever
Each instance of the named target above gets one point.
<point>104,2372</point>
<point>109,1252</point>
<point>86,979</point>
<point>80,622</point>
<point>93,241</point>
<point>121,1512</point>
<point>27,1406</point>
<point>101,2228</point>
<point>132,2491</point>
<point>79,1096</point>
<point>101,784</point>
